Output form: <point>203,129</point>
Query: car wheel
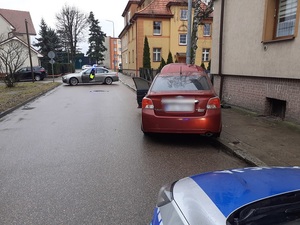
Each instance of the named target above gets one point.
<point>73,81</point>
<point>37,77</point>
<point>108,80</point>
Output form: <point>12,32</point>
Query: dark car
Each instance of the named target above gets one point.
<point>181,99</point>
<point>24,73</point>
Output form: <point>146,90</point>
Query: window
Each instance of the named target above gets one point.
<point>157,28</point>
<point>179,83</point>
<point>183,14</point>
<point>156,54</point>
<point>206,29</point>
<point>205,54</point>
<point>182,39</point>
<point>281,20</point>
<point>286,17</point>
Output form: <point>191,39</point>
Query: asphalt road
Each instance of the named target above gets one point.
<point>77,156</point>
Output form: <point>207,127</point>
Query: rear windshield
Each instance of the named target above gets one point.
<point>180,83</point>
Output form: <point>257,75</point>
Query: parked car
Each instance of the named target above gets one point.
<point>181,99</point>
<point>247,196</point>
<point>24,73</point>
<point>85,67</point>
<point>101,75</point>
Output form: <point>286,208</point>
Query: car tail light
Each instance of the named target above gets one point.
<point>147,103</point>
<point>213,103</point>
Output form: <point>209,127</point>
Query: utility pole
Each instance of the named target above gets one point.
<point>189,37</point>
<point>29,50</point>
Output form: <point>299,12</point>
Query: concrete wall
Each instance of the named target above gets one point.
<point>254,72</point>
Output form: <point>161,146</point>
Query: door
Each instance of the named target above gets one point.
<point>100,75</point>
<point>142,86</point>
<point>85,76</point>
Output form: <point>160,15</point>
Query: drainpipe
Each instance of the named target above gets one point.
<point>136,49</point>
<point>220,72</point>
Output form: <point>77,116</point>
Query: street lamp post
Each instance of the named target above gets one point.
<point>113,27</point>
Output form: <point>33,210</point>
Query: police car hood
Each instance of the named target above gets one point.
<point>213,196</point>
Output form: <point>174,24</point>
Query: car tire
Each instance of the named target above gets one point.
<point>37,77</point>
<point>108,80</point>
<point>73,81</point>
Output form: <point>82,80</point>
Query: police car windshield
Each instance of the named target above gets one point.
<point>279,210</point>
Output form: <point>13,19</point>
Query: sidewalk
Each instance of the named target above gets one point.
<point>261,141</point>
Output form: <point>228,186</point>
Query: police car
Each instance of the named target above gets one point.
<point>247,196</point>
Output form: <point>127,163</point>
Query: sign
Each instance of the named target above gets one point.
<point>51,54</point>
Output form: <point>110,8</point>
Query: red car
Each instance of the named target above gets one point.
<point>181,99</point>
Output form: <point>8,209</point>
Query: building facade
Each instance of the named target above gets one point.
<point>13,31</point>
<point>255,55</point>
<point>165,24</point>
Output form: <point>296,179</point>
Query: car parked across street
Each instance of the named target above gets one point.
<point>246,196</point>
<point>24,73</point>
<point>91,75</point>
<point>181,99</point>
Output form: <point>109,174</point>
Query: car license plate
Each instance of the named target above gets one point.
<point>179,108</point>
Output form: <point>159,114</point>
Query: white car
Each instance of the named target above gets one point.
<point>247,196</point>
<point>100,75</point>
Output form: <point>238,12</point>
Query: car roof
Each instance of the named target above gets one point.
<point>232,189</point>
<point>181,68</point>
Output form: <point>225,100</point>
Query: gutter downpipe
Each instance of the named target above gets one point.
<point>220,72</point>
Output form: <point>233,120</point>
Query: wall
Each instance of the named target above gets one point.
<point>243,50</point>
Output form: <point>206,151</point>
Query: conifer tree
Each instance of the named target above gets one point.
<point>48,40</point>
<point>170,58</point>
<point>146,55</point>
<point>96,40</point>
<point>162,64</point>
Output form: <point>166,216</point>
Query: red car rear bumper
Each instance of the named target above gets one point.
<point>210,123</point>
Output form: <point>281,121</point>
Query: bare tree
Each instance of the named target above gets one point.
<point>13,54</point>
<point>71,24</point>
<point>201,12</point>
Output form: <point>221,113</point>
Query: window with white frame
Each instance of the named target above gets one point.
<point>182,39</point>
<point>183,14</point>
<point>286,17</point>
<point>156,27</point>
<point>206,29</point>
<point>156,54</point>
<point>205,54</point>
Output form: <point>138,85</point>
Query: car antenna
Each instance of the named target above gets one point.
<point>180,70</point>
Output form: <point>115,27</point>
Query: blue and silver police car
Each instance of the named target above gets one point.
<point>247,196</point>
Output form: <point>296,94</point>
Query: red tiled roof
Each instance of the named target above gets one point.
<point>129,4</point>
<point>156,7</point>
<point>17,20</point>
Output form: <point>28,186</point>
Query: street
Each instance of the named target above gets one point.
<point>77,156</point>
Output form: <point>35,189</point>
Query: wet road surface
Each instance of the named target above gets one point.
<point>77,156</point>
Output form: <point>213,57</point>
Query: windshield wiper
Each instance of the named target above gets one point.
<point>270,214</point>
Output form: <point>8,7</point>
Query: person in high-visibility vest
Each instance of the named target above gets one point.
<point>92,74</point>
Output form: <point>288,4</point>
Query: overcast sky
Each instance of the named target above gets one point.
<point>103,10</point>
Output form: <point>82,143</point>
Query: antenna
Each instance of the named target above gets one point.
<point>180,70</point>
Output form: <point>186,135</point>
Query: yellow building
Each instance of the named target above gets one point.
<point>165,24</point>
